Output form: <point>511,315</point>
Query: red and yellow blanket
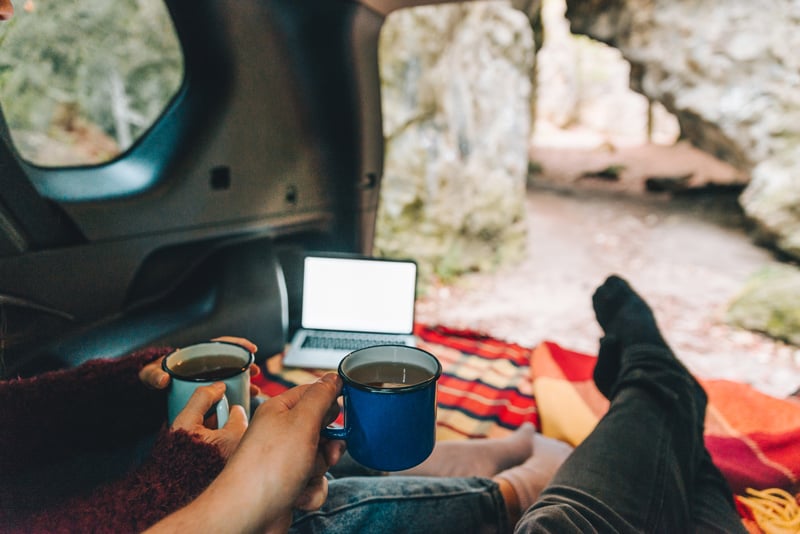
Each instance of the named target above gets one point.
<point>490,387</point>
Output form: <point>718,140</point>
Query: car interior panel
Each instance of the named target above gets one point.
<point>272,145</point>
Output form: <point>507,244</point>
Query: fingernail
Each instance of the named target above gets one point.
<point>330,378</point>
<point>163,380</point>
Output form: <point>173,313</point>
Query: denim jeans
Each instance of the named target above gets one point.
<point>365,504</point>
<point>644,468</point>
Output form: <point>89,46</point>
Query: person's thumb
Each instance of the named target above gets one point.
<point>319,396</point>
<point>228,437</point>
<point>237,420</point>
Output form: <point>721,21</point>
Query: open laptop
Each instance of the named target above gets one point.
<point>351,302</point>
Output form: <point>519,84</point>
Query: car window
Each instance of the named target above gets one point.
<point>81,80</point>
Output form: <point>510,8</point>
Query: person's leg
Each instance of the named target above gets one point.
<point>478,457</point>
<point>520,465</point>
<point>711,507</point>
<point>629,474</point>
<point>410,504</point>
<point>637,470</point>
<point>521,485</point>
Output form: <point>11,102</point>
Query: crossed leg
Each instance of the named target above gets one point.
<point>644,468</point>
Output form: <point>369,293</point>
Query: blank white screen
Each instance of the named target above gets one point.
<point>362,295</point>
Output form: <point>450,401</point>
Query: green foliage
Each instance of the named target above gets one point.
<point>113,64</point>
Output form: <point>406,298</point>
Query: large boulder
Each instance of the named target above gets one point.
<point>729,71</point>
<point>768,303</point>
<point>456,155</point>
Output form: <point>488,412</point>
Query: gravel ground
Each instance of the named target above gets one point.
<point>687,255</point>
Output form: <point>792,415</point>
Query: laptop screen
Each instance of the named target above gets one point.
<point>359,294</point>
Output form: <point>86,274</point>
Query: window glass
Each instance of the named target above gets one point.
<point>81,80</point>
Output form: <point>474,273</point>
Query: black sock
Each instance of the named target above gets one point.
<point>627,321</point>
<point>624,315</point>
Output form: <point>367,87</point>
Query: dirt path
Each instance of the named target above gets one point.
<point>687,255</point>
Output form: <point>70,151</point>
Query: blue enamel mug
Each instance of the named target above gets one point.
<point>389,394</point>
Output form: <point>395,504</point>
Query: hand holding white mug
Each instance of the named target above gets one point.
<point>191,419</point>
<point>153,375</point>
<point>201,364</point>
<point>279,466</point>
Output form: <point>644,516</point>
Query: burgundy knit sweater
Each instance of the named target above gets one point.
<point>68,451</point>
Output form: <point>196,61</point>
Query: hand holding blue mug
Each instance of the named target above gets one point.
<point>389,396</point>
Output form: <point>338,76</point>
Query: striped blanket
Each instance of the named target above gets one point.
<point>485,389</point>
<point>490,387</point>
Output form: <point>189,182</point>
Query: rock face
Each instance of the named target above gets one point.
<point>729,71</point>
<point>768,304</point>
<point>456,155</point>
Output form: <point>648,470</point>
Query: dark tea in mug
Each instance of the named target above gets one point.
<point>209,367</point>
<point>389,374</point>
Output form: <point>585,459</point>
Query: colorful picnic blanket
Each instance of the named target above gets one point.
<point>489,387</point>
<point>485,389</point>
<point>753,438</point>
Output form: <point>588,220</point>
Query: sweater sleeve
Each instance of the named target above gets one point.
<point>178,470</point>
<point>96,406</point>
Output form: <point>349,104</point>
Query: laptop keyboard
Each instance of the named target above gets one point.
<point>347,342</point>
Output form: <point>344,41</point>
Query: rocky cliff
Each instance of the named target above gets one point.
<point>729,71</point>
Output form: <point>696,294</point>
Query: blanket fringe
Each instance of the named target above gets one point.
<point>776,511</point>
